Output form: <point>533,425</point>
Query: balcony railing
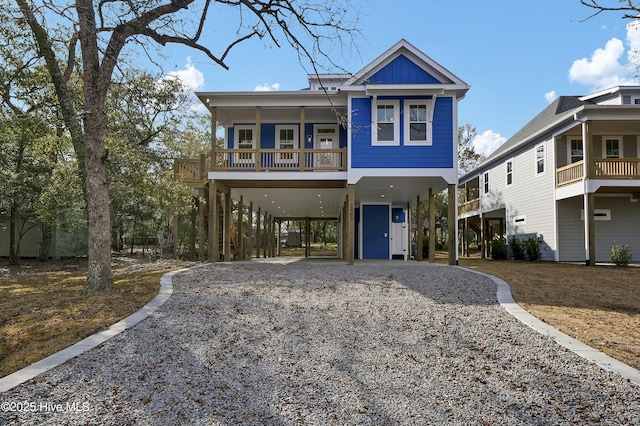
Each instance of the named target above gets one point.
<point>280,160</point>
<point>601,168</point>
<point>194,171</point>
<point>469,206</point>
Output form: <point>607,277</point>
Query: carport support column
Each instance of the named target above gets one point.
<point>239,249</point>
<point>453,226</point>
<point>432,226</point>
<point>250,231</point>
<point>420,229</point>
<point>214,232</point>
<point>201,230</point>
<point>227,226</point>
<point>258,240</point>
<point>589,229</point>
<point>350,237</point>
<point>307,238</point>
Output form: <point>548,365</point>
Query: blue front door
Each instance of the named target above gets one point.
<point>375,232</point>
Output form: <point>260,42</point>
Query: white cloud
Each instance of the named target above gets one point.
<point>550,96</point>
<point>488,142</point>
<point>633,40</point>
<point>266,87</point>
<point>606,67</point>
<point>190,76</point>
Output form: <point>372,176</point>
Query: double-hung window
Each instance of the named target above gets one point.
<point>416,122</point>
<point>287,141</point>
<point>575,150</point>
<point>509,167</point>
<point>612,147</point>
<point>245,139</point>
<point>386,125</point>
<point>540,159</point>
<point>485,179</point>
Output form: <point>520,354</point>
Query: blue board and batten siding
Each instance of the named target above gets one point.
<point>437,155</point>
<point>402,71</point>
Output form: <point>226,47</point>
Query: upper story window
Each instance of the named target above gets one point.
<point>540,159</point>
<point>245,137</point>
<point>575,150</point>
<point>386,125</point>
<point>509,167</point>
<point>416,131</point>
<point>485,179</point>
<point>612,147</point>
<point>286,138</point>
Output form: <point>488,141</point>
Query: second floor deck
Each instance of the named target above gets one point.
<point>194,171</point>
<point>600,168</point>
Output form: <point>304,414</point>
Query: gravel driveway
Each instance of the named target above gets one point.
<point>325,343</point>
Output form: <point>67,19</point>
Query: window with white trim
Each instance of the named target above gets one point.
<point>575,150</point>
<point>520,220</point>
<point>416,122</point>
<point>485,179</point>
<point>509,170</point>
<point>540,159</point>
<point>598,214</point>
<point>612,147</point>
<point>386,122</point>
<point>286,139</point>
<point>245,139</point>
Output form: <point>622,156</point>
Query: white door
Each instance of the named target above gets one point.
<point>326,138</point>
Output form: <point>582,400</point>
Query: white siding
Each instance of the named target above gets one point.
<point>622,228</point>
<point>531,195</point>
<point>570,230</point>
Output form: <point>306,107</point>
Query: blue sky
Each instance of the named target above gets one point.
<point>516,55</point>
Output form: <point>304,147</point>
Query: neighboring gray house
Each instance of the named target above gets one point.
<point>64,243</point>
<point>580,154</point>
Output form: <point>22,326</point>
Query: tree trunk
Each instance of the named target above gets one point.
<point>14,257</point>
<point>47,237</point>
<point>96,188</point>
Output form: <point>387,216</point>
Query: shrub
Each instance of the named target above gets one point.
<point>499,249</point>
<point>517,248</point>
<point>425,246</point>
<point>532,248</point>
<point>620,254</point>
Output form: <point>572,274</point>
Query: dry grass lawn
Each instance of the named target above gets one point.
<point>42,313</point>
<point>599,306</point>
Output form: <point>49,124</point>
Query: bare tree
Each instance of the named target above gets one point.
<point>630,9</point>
<point>104,28</point>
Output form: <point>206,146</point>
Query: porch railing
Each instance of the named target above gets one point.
<point>569,174</point>
<point>469,206</point>
<point>280,159</point>
<point>616,168</point>
<point>601,168</point>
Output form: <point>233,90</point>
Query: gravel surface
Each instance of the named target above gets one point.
<point>326,343</point>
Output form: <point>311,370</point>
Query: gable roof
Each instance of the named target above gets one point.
<point>432,72</point>
<point>561,109</point>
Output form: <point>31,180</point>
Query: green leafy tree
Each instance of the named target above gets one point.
<point>468,158</point>
<point>104,30</point>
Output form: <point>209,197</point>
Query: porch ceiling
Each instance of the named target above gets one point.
<point>324,199</point>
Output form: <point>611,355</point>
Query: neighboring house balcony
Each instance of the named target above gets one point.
<point>601,168</point>
<point>469,207</point>
<point>469,198</point>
